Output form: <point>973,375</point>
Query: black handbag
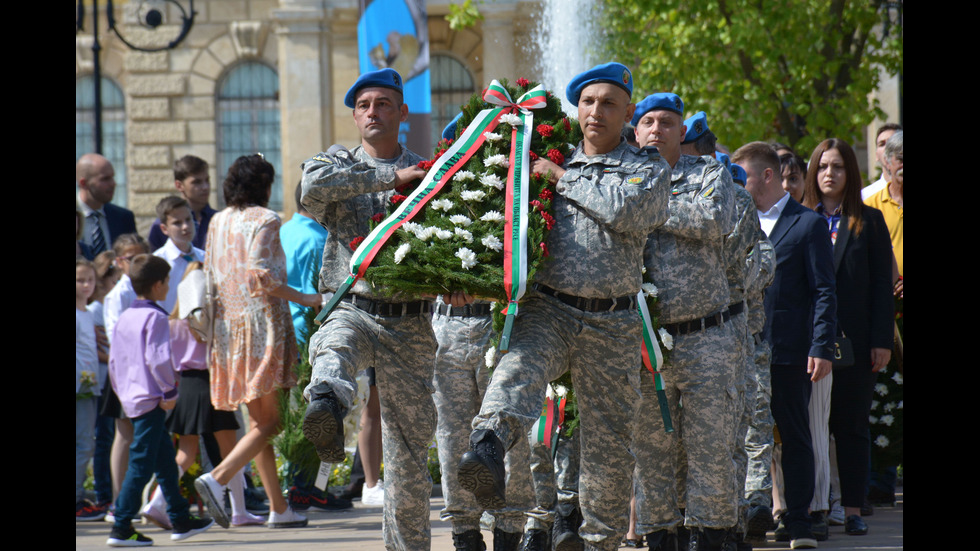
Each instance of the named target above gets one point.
<point>843,351</point>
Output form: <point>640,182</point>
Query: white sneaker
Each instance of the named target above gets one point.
<point>836,516</point>
<point>288,519</point>
<point>375,496</point>
<point>213,495</point>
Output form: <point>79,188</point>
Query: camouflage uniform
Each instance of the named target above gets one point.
<point>742,251</point>
<point>759,437</point>
<point>604,208</point>
<point>343,191</point>
<point>686,260</point>
<point>542,515</point>
<point>460,381</point>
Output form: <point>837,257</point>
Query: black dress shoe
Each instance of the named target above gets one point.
<point>481,470</point>
<point>855,526</point>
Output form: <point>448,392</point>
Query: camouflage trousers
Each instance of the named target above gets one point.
<point>401,351</point>
<point>745,407</point>
<point>701,374</point>
<point>759,437</point>
<point>460,380</point>
<point>555,478</point>
<point>602,349</point>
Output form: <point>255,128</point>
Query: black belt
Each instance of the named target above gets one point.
<point>389,309</point>
<point>736,309</point>
<point>685,327</point>
<point>590,304</point>
<point>466,311</point>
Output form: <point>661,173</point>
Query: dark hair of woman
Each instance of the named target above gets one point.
<point>248,182</point>
<point>851,204</point>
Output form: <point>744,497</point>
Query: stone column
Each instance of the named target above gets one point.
<point>498,41</point>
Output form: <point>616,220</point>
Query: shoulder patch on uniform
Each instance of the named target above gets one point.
<point>634,180</point>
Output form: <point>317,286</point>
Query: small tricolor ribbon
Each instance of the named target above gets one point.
<point>442,171</point>
<point>653,359</point>
<point>547,428</point>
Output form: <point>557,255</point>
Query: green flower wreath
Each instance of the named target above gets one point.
<point>456,242</point>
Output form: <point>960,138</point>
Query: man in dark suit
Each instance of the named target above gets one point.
<point>801,319</point>
<point>104,222</point>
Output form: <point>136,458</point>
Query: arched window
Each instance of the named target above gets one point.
<point>113,127</point>
<point>452,86</point>
<point>248,121</point>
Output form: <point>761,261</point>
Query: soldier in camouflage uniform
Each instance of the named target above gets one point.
<point>686,261</point>
<point>343,189</point>
<point>581,312</point>
<point>759,436</point>
<point>461,377</point>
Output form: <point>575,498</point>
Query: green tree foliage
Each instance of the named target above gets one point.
<point>796,72</point>
<point>463,15</point>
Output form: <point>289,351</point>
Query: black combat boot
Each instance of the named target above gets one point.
<point>481,470</point>
<point>564,533</point>
<point>535,540</point>
<point>323,425</point>
<point>470,540</point>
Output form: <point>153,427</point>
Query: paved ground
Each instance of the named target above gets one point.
<point>359,529</point>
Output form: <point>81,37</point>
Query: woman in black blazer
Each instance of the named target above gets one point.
<point>865,310</point>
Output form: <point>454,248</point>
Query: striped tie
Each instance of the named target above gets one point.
<point>98,238</point>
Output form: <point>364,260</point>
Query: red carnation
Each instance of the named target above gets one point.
<point>532,155</point>
<point>426,165</point>
<point>404,187</point>
<point>556,157</point>
<point>378,217</point>
<point>568,125</point>
<point>544,248</point>
<point>397,198</point>
<point>355,243</point>
<point>549,220</point>
<point>546,194</point>
<point>523,82</point>
<point>440,153</point>
<point>545,130</point>
<point>536,204</point>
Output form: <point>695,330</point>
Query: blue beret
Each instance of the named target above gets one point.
<point>739,175</point>
<point>385,78</point>
<point>696,126</point>
<point>449,132</point>
<point>613,73</point>
<point>723,159</point>
<point>659,101</point>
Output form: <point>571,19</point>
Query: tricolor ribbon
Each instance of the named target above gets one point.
<point>548,426</point>
<point>442,171</point>
<point>515,211</point>
<point>653,361</point>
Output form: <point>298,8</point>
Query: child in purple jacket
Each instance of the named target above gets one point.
<point>143,376</point>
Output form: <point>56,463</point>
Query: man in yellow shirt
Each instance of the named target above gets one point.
<point>890,200</point>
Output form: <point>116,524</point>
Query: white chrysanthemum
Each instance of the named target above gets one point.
<point>401,251</point>
<point>897,377</point>
<point>511,119</point>
<point>889,406</point>
<point>496,160</point>
<point>881,389</point>
<point>561,390</point>
<point>464,176</point>
<point>492,180</point>
<point>473,195</point>
<point>872,419</point>
<point>643,269</point>
<point>467,256</point>
<point>881,441</point>
<point>411,227</point>
<point>901,404</point>
<point>460,220</point>
<point>874,405</point>
<point>666,339</point>
<point>494,306</point>
<point>442,204</point>
<point>491,242</point>
<point>493,136</point>
<point>426,233</point>
<point>888,419</point>
<point>490,358</point>
<point>492,216</point>
<point>649,289</point>
<point>444,234</point>
<point>465,235</point>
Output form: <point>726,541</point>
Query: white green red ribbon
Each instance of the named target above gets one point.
<point>442,171</point>
<point>547,427</point>
<point>653,358</point>
<point>516,198</point>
